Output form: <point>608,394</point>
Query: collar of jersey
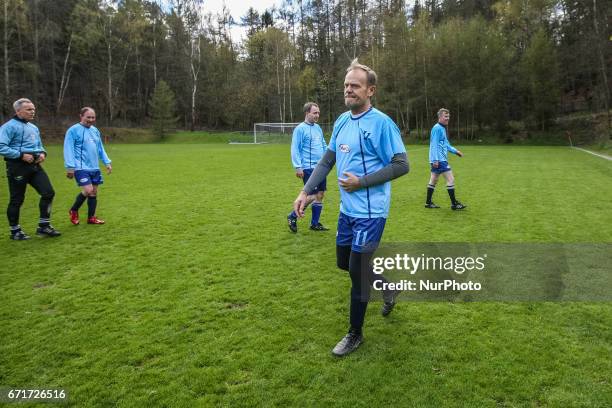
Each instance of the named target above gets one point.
<point>84,126</point>
<point>361,115</point>
<point>309,124</point>
<point>21,120</point>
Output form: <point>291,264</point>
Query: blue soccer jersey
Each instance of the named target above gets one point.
<point>439,145</point>
<point>83,148</point>
<point>18,137</point>
<point>363,145</point>
<point>307,146</point>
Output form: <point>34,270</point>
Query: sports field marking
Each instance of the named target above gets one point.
<point>603,156</point>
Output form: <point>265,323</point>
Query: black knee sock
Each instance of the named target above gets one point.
<point>92,202</point>
<point>78,202</point>
<point>430,191</point>
<point>451,194</point>
<point>12,213</point>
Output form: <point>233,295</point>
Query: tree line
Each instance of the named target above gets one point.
<point>497,64</point>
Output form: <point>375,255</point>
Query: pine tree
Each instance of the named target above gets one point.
<point>163,108</point>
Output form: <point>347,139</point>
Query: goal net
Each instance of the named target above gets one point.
<point>273,132</point>
<point>279,132</point>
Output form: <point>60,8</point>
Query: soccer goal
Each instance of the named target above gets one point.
<point>273,132</point>
<point>265,132</point>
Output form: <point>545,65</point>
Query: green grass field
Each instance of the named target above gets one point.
<point>195,294</point>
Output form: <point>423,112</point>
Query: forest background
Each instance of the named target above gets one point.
<point>507,69</point>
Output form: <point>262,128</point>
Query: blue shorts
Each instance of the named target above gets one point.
<point>362,234</point>
<point>443,167</point>
<point>86,177</point>
<point>321,187</point>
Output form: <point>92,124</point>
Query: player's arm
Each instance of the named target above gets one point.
<point>5,140</point>
<point>103,156</point>
<point>296,147</point>
<point>39,149</point>
<point>320,172</point>
<point>323,140</point>
<point>437,144</point>
<point>451,148</point>
<point>396,168</point>
<point>69,154</point>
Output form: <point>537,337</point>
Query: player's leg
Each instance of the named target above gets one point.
<point>364,236</point>
<point>317,208</point>
<point>431,186</point>
<point>450,187</point>
<point>17,175</point>
<point>84,183</point>
<point>344,255</point>
<point>92,200</point>
<point>41,183</point>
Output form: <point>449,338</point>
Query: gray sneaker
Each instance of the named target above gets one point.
<point>19,236</point>
<point>348,344</point>
<point>47,231</point>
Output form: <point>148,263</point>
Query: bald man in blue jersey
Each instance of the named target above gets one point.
<point>366,146</point>
<point>82,150</point>
<point>439,146</point>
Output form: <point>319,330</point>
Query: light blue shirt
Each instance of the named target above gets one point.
<point>307,146</point>
<point>17,137</point>
<point>363,145</point>
<point>439,145</point>
<point>83,147</point>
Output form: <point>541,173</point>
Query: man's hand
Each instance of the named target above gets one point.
<point>350,183</point>
<point>301,202</point>
<point>28,158</point>
<point>41,158</point>
<point>70,174</point>
<point>436,164</point>
<point>109,169</point>
<point>299,173</point>
<point>459,153</point>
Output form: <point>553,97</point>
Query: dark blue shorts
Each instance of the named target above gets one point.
<point>443,167</point>
<point>85,177</point>
<point>362,234</point>
<point>321,187</point>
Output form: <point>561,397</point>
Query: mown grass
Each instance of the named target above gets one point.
<point>195,294</point>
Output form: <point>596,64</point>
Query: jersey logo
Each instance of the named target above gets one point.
<point>344,148</point>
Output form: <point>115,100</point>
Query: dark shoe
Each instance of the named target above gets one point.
<point>389,302</point>
<point>431,205</point>
<point>348,344</point>
<point>292,223</point>
<point>319,227</point>
<point>74,217</point>
<point>95,220</point>
<point>19,236</point>
<point>47,231</point>
<point>458,206</point>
